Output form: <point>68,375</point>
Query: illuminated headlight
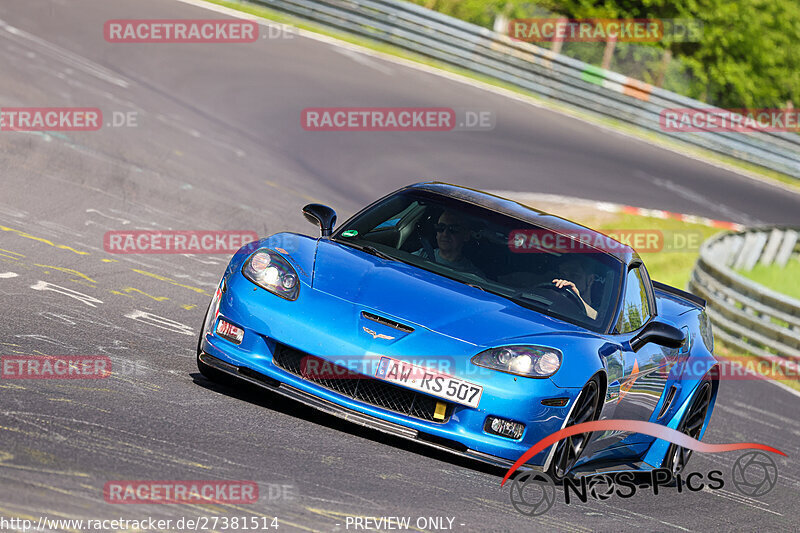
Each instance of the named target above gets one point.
<point>529,361</point>
<point>271,271</point>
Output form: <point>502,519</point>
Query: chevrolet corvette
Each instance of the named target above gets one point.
<point>470,323</point>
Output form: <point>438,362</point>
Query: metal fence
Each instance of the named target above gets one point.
<point>482,51</point>
<point>745,314</point>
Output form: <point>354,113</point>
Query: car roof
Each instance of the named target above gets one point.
<point>525,213</point>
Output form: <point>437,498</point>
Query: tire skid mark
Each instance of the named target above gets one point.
<point>43,240</point>
<point>171,281</point>
<point>68,271</point>
<point>729,496</point>
<point>626,515</point>
<point>87,299</point>
<point>70,425</point>
<point>552,521</point>
<point>13,255</point>
<point>126,292</point>
<point>62,55</point>
<point>109,445</point>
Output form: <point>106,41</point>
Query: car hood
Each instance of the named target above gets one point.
<point>419,298</point>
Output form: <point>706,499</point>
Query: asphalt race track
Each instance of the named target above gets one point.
<point>218,145</point>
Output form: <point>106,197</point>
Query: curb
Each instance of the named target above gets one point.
<point>619,208</point>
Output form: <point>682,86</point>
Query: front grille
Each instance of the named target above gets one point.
<point>359,387</point>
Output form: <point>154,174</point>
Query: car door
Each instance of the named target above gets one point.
<point>643,379</point>
<point>636,379</point>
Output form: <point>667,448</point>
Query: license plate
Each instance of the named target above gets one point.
<point>429,381</point>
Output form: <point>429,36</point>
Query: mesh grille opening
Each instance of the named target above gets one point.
<point>362,388</point>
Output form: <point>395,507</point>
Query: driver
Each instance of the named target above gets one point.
<point>578,280</point>
<point>452,233</point>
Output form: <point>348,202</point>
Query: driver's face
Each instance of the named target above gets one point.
<point>453,235</point>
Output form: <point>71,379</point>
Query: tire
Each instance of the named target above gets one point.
<point>691,424</point>
<point>568,451</point>
<point>210,373</point>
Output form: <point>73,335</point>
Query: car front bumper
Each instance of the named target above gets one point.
<point>267,322</point>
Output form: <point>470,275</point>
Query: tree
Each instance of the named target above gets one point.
<point>746,56</point>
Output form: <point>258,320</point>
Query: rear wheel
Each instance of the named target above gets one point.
<point>692,425</point>
<point>569,450</point>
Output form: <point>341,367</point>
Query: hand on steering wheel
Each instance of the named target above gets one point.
<point>566,284</point>
<point>571,292</point>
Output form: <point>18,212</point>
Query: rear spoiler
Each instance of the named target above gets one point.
<point>677,292</point>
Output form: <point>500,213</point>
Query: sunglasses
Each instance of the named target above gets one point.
<point>452,228</point>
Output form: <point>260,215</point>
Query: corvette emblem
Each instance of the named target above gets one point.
<point>376,335</point>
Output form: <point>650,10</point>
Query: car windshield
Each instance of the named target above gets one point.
<point>493,252</point>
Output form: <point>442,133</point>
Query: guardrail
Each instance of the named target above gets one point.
<point>745,314</point>
<point>538,70</point>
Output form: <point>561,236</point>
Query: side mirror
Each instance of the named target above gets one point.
<point>659,332</point>
<point>322,216</point>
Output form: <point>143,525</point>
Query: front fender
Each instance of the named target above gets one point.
<point>584,355</point>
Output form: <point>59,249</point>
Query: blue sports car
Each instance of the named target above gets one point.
<point>471,323</point>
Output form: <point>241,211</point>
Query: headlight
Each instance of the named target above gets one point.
<point>529,361</point>
<point>706,331</point>
<point>271,271</point>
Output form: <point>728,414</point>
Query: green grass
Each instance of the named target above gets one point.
<point>784,280</point>
<point>653,137</point>
<point>667,266</point>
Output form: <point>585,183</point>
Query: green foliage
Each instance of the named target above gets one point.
<point>748,54</point>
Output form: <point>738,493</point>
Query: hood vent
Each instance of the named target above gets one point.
<point>387,322</point>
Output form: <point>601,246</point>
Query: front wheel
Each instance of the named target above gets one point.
<point>569,450</point>
<point>210,373</point>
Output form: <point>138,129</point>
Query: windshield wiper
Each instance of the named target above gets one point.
<point>377,253</point>
<point>369,249</point>
<point>526,299</point>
